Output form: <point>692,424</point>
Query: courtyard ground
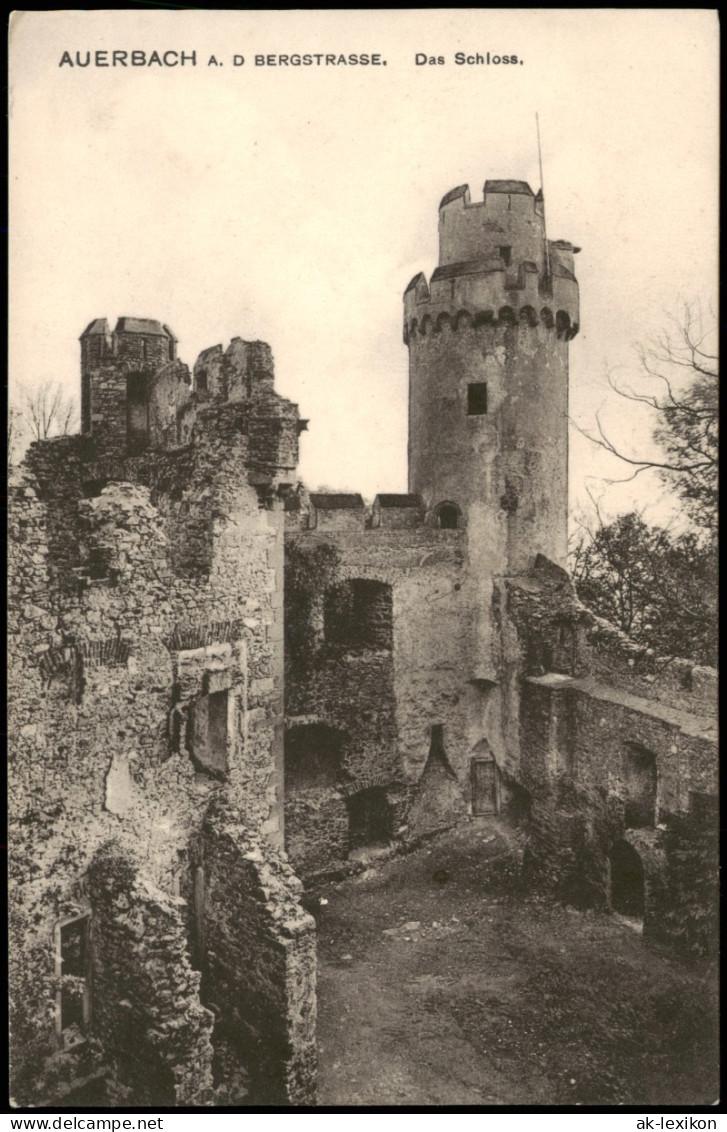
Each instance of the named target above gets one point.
<point>440,984</point>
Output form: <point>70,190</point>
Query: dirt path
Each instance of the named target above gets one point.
<point>439,986</point>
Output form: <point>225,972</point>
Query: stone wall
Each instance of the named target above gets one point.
<point>260,966</point>
<point>608,763</point>
<point>147,1010</point>
<point>145,678</point>
<point>382,701</point>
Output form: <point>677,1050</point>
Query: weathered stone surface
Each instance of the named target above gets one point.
<point>170,705</point>
<point>146,573</point>
<point>119,786</point>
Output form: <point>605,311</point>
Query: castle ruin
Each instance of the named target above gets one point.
<point>222,685</point>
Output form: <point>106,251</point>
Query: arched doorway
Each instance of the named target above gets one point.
<point>447,516</point>
<point>627,880</point>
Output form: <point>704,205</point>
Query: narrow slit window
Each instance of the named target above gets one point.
<point>86,404</point>
<point>506,255</point>
<point>477,399</point>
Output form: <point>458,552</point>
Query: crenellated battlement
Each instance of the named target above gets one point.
<point>495,263</point>
<point>509,223</point>
<point>488,338</point>
<point>435,322</point>
<point>490,292</point>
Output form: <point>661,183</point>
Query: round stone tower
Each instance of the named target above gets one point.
<point>488,378</point>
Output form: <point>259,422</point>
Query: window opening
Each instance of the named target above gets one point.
<point>506,255</point>
<point>73,968</point>
<point>640,788</point>
<point>86,404</point>
<point>477,399</point>
<point>137,413</point>
<point>358,614</point>
<point>210,733</point>
<point>704,808</point>
<point>98,567</point>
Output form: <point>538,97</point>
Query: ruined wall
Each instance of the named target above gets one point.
<point>382,702</point>
<point>146,672</point>
<point>148,1015</point>
<point>260,968</point>
<point>605,764</point>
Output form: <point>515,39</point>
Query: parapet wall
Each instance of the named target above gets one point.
<point>561,634</point>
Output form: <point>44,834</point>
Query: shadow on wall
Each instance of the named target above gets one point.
<point>438,798</point>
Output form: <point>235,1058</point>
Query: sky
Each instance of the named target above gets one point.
<point>294,204</point>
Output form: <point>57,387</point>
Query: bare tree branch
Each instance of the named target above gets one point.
<point>686,416</point>
<point>40,412</point>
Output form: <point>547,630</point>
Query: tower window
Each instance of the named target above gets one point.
<point>477,399</point>
<point>505,255</point>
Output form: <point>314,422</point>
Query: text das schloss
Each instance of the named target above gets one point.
<point>467,59</point>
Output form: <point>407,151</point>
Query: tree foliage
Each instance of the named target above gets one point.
<point>659,589</point>
<point>655,585</point>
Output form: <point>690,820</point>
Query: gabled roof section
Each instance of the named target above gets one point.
<point>142,326</point>
<point>336,501</point>
<point>98,326</point>
<point>508,187</point>
<point>393,500</point>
